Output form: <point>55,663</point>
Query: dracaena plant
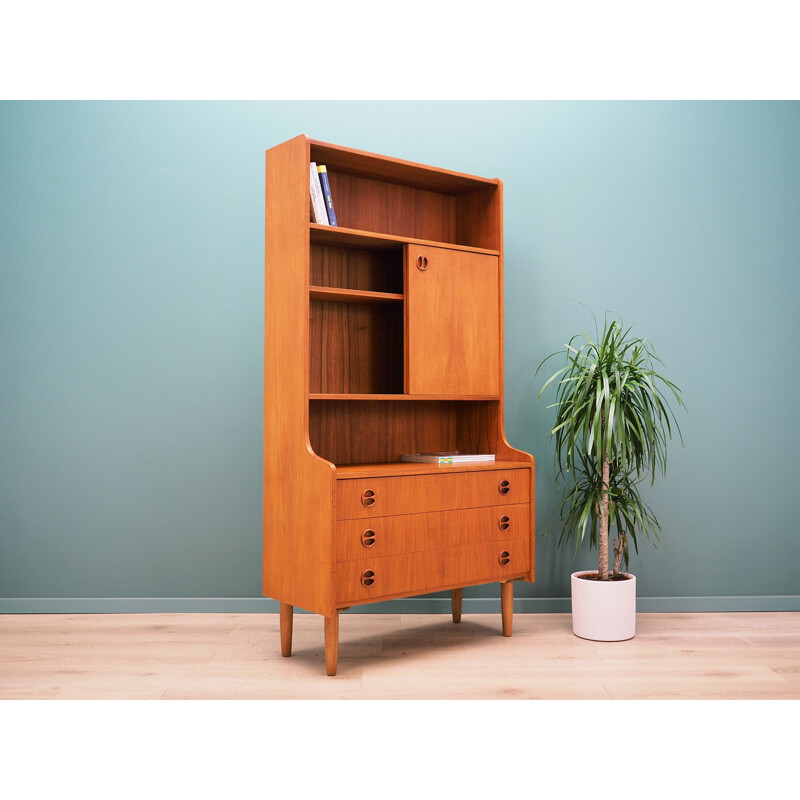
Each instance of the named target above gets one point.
<point>613,422</point>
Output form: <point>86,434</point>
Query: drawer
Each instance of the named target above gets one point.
<point>436,530</point>
<point>364,498</point>
<point>417,573</point>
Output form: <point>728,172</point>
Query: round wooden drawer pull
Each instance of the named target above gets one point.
<point>422,263</point>
<point>368,538</point>
<point>504,487</point>
<point>504,558</point>
<point>368,497</point>
<point>504,523</point>
<point>367,577</point>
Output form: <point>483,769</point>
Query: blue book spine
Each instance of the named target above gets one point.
<point>326,192</point>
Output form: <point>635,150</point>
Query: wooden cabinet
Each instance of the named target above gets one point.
<point>384,336</point>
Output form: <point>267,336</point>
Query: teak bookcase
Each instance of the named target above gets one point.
<point>384,336</point>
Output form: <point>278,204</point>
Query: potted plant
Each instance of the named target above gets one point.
<point>613,422</point>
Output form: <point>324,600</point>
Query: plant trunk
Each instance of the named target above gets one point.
<point>619,550</point>
<point>602,538</point>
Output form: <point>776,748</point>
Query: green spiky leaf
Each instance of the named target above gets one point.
<point>612,405</point>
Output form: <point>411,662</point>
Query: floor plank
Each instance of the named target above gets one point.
<point>388,656</point>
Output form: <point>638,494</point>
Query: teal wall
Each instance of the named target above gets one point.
<point>131,301</point>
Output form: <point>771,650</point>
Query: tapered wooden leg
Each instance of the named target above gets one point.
<point>287,618</point>
<point>332,643</point>
<point>507,606</point>
<point>458,595</point>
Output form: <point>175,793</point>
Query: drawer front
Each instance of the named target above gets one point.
<point>365,498</point>
<point>436,530</point>
<point>416,573</point>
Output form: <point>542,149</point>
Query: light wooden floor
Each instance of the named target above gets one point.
<point>414,656</point>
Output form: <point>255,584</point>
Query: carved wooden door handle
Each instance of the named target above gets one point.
<point>367,578</point>
<point>368,538</point>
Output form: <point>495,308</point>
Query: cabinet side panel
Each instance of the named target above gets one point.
<point>298,486</point>
<point>494,224</point>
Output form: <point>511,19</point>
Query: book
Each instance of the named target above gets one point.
<point>326,192</point>
<point>453,457</point>
<point>317,200</point>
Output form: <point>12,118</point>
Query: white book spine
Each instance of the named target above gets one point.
<point>317,200</point>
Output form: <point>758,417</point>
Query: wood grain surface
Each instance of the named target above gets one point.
<point>379,431</point>
<point>411,494</point>
<point>417,573</point>
<point>452,322</point>
<point>727,656</point>
<point>414,533</point>
<point>296,539</point>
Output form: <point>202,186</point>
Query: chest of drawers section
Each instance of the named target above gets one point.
<point>406,535</point>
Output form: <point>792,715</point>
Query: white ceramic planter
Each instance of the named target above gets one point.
<point>604,611</point>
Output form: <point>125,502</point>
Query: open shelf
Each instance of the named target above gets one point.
<point>334,295</point>
<point>337,265</point>
<point>348,160</point>
<point>399,201</point>
<point>370,430</point>
<point>355,347</point>
<point>355,320</point>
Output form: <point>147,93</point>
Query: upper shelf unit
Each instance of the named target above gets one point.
<point>394,198</point>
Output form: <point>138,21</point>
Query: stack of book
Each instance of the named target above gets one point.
<point>321,198</point>
<point>453,457</point>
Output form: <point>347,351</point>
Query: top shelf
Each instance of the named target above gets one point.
<point>336,236</point>
<point>394,170</point>
<point>384,202</point>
